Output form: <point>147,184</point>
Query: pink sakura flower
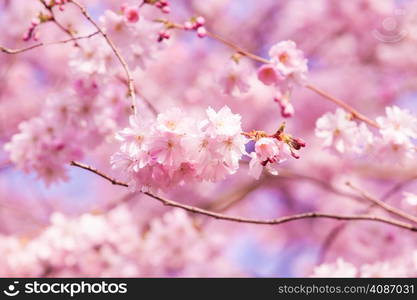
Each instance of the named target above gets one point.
<point>398,126</point>
<point>337,130</point>
<point>388,150</point>
<point>166,148</point>
<point>287,64</point>
<point>117,26</point>
<point>288,60</point>
<point>131,14</point>
<point>94,57</point>
<point>269,76</point>
<point>174,120</point>
<point>267,149</point>
<point>143,32</point>
<point>269,153</point>
<point>233,79</point>
<point>223,122</point>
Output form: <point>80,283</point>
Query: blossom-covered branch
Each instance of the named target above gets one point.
<point>242,52</point>
<point>276,221</point>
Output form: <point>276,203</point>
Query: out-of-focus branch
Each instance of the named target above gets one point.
<point>335,232</point>
<point>20,50</point>
<point>277,221</point>
<point>383,205</point>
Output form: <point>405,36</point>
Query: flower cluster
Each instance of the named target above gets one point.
<point>395,141</point>
<point>176,233</point>
<point>112,245</point>
<point>270,151</point>
<point>287,66</point>
<point>95,57</point>
<point>197,24</point>
<point>70,122</point>
<point>175,148</point>
<point>403,266</point>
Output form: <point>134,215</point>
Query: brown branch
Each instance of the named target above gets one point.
<point>335,232</point>
<point>97,172</point>
<point>344,105</point>
<point>57,23</point>
<point>383,205</point>
<point>281,220</point>
<point>16,51</point>
<point>116,52</point>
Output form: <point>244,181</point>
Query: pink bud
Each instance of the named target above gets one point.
<point>35,21</point>
<point>268,75</point>
<point>201,32</point>
<point>188,25</point>
<point>300,142</point>
<point>163,35</point>
<point>26,36</point>
<point>200,21</point>
<point>131,14</point>
<point>166,9</point>
<point>287,111</point>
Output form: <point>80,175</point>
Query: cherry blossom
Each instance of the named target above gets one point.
<point>182,101</point>
<point>337,130</point>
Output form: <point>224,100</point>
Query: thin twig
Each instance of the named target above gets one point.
<point>355,114</point>
<point>281,220</point>
<point>20,50</point>
<point>97,172</point>
<point>383,205</point>
<point>116,52</point>
<point>335,232</point>
<point>57,23</point>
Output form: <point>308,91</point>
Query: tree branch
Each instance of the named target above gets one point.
<point>383,205</point>
<point>16,51</point>
<point>355,114</point>
<point>281,220</point>
<point>122,61</point>
<point>57,23</point>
